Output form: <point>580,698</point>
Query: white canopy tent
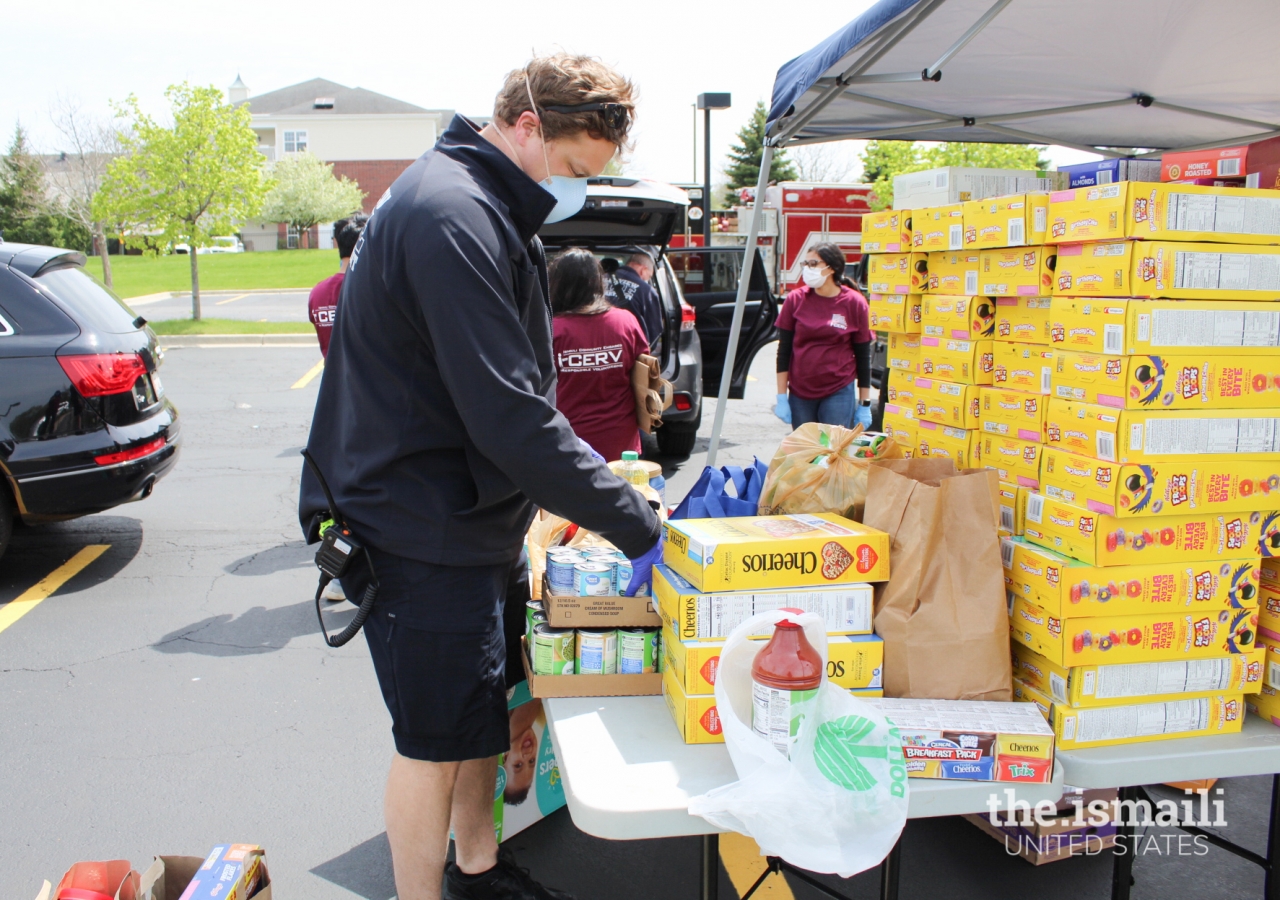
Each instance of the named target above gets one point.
<point>1113,77</point>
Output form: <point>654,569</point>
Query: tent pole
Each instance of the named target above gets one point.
<point>740,304</point>
<point>966,38</point>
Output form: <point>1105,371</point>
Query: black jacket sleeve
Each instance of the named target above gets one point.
<point>785,339</point>
<point>862,359</point>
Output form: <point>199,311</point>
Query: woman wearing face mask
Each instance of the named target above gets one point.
<point>824,347</point>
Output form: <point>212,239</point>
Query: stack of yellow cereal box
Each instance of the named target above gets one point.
<point>895,280</point>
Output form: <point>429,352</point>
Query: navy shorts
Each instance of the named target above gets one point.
<point>440,651</point>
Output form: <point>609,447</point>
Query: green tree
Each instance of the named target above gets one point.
<point>305,192</point>
<point>27,216</point>
<point>881,160</point>
<point>187,182</point>
<point>746,155</point>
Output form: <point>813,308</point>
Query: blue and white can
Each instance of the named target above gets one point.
<point>592,579</point>
<point>560,570</point>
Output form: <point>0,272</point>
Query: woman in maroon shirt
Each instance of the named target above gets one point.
<point>596,346</point>
<point>824,347</point>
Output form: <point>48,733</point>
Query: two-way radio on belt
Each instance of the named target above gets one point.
<point>338,547</point>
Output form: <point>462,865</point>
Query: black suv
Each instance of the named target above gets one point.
<point>84,423</point>
<point>698,287</point>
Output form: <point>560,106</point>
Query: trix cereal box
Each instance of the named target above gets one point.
<point>1168,382</point>
<point>1164,212</point>
<point>1015,220</point>
<point>1016,414</point>
<point>974,740</point>
<point>1016,271</point>
<point>946,403</point>
<point>1108,325</point>
<point>963,318</point>
<point>1103,540</point>
<point>936,228</point>
<point>954,273</point>
<point>895,312</point>
<point>1023,319</point>
<point>755,552</point>
<point>1016,461</point>
<point>1196,484</point>
<point>887,231</point>
<point>897,273</point>
<point>903,353</point>
<point>963,447</point>
<point>961,361</point>
<point>1202,271</point>
<point>1022,367</point>
<point>1124,683</point>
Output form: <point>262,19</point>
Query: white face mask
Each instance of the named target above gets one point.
<point>814,278</point>
<point>570,193</point>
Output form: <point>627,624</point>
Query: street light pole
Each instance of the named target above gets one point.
<point>706,103</point>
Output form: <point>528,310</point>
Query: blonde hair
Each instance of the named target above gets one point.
<point>567,80</point>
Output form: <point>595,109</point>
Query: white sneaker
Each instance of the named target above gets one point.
<point>333,591</point>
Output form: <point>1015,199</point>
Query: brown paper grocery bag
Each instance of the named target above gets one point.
<point>942,613</point>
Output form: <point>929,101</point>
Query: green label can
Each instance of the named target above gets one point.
<point>532,622</point>
<point>637,651</point>
<point>596,651</point>
<point>531,607</point>
<point>552,650</point>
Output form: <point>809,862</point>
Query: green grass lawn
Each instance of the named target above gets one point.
<point>135,276</point>
<point>229,326</point>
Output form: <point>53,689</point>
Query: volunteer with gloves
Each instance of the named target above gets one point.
<point>824,347</point>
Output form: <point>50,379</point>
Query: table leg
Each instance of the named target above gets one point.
<point>1272,885</point>
<point>710,867</point>
<point>1122,868</point>
<point>889,869</point>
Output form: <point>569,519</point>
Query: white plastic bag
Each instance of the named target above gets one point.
<point>839,803</point>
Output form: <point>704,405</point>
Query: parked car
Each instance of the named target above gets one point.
<point>229,244</point>
<point>84,422</point>
<point>622,215</point>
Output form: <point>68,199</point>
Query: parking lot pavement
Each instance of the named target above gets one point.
<point>174,691</point>
<point>283,306</point>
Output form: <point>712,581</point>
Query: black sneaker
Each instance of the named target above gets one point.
<point>505,881</point>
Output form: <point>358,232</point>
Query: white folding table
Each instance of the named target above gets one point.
<point>628,775</point>
<point>1254,751</point>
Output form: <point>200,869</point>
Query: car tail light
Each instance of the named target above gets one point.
<point>688,317</point>
<point>138,452</point>
<point>101,374</point>
<point>682,402</point>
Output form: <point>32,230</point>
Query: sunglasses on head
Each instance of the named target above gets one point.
<point>614,114</point>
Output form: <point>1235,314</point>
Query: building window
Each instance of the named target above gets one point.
<point>295,141</point>
<point>291,241</point>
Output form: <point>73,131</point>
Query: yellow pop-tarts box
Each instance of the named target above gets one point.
<point>1124,326</point>
<point>937,228</point>
<point>1094,270</point>
<point>1155,211</point>
<point>963,446</point>
<point>695,716</point>
<point>1021,367</point>
<point>1077,729</point>
<point>1014,220</point>
<point>895,312</point>
<point>946,402</point>
<point>901,427</point>
<point>947,316</point>
<point>1171,271</point>
<point>1103,540</point>
<point>1169,382</point>
<point>1016,461</point>
<point>902,388</point>
<point>1017,414</point>
<point>903,353</point>
<point>1023,319</point>
<point>962,361</point>
<point>886,231</point>
<point>897,273</point>
<point>953,272</point>
<point>754,552</point>
<point>1067,588</point>
<point>1016,271</point>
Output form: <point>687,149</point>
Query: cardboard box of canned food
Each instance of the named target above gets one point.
<point>895,312</point>
<point>1014,220</point>
<point>1152,211</point>
<point>575,685</point>
<point>1197,381</point>
<point>952,272</point>
<point>1124,326</point>
<point>1016,414</point>
<point>1023,319</point>
<point>582,589</point>
<point>936,228</point>
<point>949,316</point>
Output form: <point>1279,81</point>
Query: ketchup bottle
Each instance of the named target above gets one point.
<point>785,678</point>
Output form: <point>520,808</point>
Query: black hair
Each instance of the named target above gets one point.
<point>576,280</point>
<point>347,231</point>
<point>609,264</point>
<point>833,256</point>
<point>513,796</point>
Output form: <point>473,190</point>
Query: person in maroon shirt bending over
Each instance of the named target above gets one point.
<point>824,347</point>
<point>596,345</point>
<point>322,305</point>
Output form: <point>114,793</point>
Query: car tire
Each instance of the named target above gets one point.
<point>6,519</point>
<point>678,440</point>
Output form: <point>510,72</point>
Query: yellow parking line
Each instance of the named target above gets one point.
<point>231,299</point>
<point>311,373</point>
<point>742,860</point>
<point>32,597</point>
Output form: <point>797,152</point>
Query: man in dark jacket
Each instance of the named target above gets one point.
<point>630,288</point>
<point>437,432</point>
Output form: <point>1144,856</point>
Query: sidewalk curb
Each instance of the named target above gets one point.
<point>186,295</point>
<point>178,341</point>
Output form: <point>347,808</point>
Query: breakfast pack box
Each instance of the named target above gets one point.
<point>962,318</point>
<point>962,361</point>
<point>761,552</point>
<point>1192,484</point>
<point>895,312</point>
<point>900,425</point>
<point>937,228</point>
<point>886,231</point>
<point>960,445</point>
<point>902,388</point>
<point>1017,271</point>
<point>952,272</point>
<point>1152,211</point>
<point>1010,413</point>
<point>1146,637</point>
<point>1013,220</point>
<point>1103,540</point>
<point>1016,461</point>
<point>1136,723</point>
<point>1094,270</point>
<point>1067,588</point>
<point>1156,435</point>
<point>1170,382</point>
<point>973,740</point>
<point>1021,367</point>
<point>1169,271</point>
<point>1023,319</point>
<point>946,402</point>
<point>1124,326</point>
<point>903,352</point>
<point>897,273</point>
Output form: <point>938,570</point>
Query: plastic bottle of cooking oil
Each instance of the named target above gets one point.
<point>630,469</point>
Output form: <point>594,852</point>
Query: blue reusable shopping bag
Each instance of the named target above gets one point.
<point>709,498</point>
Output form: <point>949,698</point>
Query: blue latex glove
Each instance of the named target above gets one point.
<point>642,570</point>
<point>591,450</point>
<point>783,408</point>
<point>862,416</point>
